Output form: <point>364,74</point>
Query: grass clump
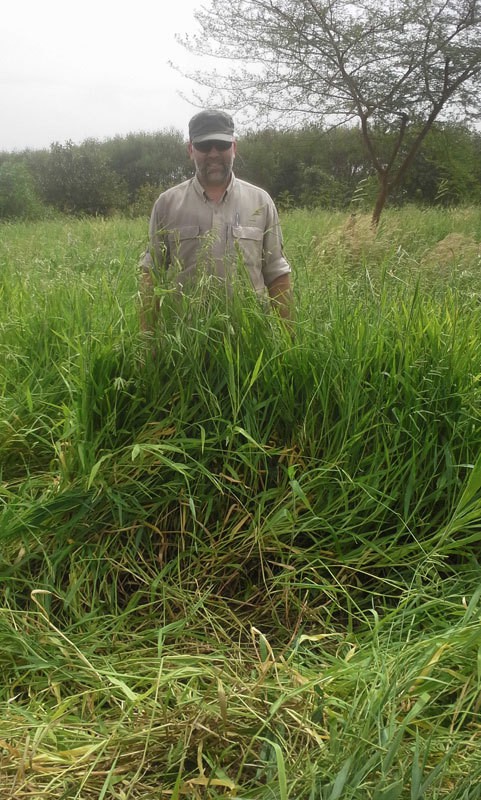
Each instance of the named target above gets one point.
<point>238,562</point>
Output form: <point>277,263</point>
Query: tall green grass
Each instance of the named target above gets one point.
<point>239,560</point>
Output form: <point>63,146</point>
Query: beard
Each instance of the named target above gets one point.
<point>214,171</point>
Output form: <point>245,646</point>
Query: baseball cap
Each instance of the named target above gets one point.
<point>211,124</point>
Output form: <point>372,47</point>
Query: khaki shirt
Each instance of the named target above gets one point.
<point>189,233</point>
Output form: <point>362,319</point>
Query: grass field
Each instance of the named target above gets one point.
<point>236,562</point>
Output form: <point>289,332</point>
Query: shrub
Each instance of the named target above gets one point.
<point>18,199</point>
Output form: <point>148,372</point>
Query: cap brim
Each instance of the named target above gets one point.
<point>220,137</point>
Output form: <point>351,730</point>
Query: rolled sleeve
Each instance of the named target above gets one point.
<point>274,262</point>
<point>156,257</point>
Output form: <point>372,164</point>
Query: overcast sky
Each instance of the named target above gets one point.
<point>92,69</point>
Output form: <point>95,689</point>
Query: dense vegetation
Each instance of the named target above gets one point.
<point>305,168</point>
<point>237,562</point>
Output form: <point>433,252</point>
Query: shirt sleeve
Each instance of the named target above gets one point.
<point>156,256</point>
<point>274,264</point>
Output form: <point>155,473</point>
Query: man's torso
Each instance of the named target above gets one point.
<point>241,231</point>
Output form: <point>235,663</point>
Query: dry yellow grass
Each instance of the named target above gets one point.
<point>455,248</point>
<point>357,239</point>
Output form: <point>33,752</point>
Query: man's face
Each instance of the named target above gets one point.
<point>213,163</point>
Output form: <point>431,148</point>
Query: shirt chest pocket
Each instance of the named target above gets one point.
<point>249,241</point>
<point>184,244</point>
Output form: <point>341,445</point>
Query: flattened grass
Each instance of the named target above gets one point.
<point>237,563</point>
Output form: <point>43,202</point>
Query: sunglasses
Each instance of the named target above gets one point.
<point>205,147</point>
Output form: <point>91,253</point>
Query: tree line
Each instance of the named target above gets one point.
<point>304,167</point>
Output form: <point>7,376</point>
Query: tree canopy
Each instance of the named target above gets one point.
<point>392,68</point>
<point>307,167</point>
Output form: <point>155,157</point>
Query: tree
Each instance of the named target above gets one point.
<point>141,159</point>
<point>393,68</point>
<point>309,166</point>
<point>447,171</point>
<point>79,179</point>
<point>18,198</point>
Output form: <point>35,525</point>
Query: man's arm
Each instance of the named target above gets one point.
<point>154,263</point>
<point>275,268</point>
<point>280,292</point>
<point>149,304</point>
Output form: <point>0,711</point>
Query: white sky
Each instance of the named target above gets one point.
<point>92,69</point>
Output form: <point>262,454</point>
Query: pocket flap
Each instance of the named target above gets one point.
<point>243,232</point>
<point>185,232</point>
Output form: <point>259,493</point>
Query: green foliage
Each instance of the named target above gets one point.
<point>79,179</point>
<point>316,168</point>
<point>238,562</point>
<point>18,198</point>
<point>447,171</point>
<point>142,159</point>
<point>144,200</point>
<point>309,167</point>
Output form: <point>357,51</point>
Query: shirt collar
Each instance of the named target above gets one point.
<point>200,190</point>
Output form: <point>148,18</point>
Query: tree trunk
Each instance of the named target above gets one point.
<point>381,198</point>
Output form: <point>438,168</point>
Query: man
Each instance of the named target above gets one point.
<point>206,222</point>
